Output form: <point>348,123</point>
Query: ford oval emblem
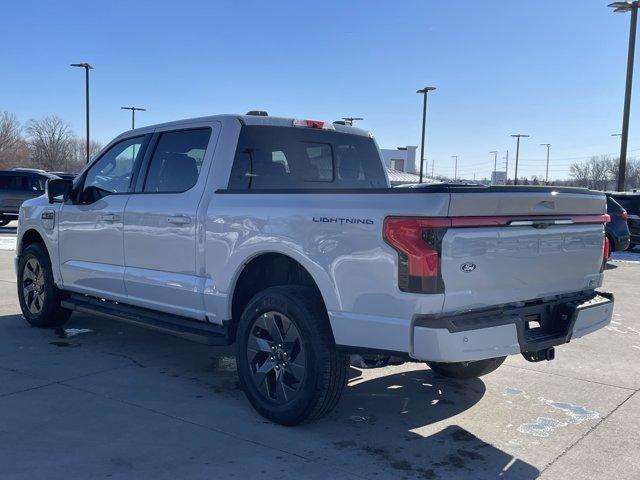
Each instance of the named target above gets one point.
<point>468,267</point>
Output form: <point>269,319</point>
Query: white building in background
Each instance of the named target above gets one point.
<point>401,159</point>
<point>403,165</point>
<point>498,178</point>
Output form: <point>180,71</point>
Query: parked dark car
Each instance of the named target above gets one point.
<point>631,203</point>
<point>617,230</point>
<point>66,176</point>
<point>16,186</point>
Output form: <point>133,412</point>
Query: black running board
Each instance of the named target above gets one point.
<point>186,328</point>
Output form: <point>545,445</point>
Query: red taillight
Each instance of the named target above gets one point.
<point>606,249</point>
<point>418,242</point>
<point>313,124</point>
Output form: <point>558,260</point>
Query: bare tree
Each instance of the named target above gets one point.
<point>50,140</point>
<point>13,148</point>
<point>581,173</point>
<point>599,172</point>
<point>78,157</point>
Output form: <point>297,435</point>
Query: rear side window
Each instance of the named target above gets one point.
<point>287,157</point>
<point>12,182</point>
<point>613,206</point>
<point>177,160</point>
<point>631,203</point>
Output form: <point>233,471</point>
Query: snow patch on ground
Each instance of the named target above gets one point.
<point>72,332</point>
<point>576,413</point>
<point>7,243</point>
<point>628,256</point>
<point>542,427</point>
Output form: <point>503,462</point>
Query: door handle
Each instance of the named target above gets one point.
<point>110,217</point>
<point>179,219</point>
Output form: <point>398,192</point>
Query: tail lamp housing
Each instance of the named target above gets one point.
<point>418,242</point>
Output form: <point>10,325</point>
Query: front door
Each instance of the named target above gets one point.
<point>90,225</point>
<point>161,222</point>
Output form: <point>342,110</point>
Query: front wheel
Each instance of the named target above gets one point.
<point>37,293</point>
<point>466,370</point>
<point>288,364</point>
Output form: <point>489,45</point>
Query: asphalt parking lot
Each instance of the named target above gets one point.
<point>101,399</point>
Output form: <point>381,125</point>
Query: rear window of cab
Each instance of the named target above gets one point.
<point>269,157</point>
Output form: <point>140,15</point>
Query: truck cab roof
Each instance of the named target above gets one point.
<point>248,120</point>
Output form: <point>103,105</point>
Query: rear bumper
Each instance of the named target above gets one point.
<point>509,330</point>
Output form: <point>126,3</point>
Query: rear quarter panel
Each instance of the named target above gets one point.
<point>338,239</point>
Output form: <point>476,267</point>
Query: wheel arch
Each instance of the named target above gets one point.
<point>273,268</point>
<point>29,237</point>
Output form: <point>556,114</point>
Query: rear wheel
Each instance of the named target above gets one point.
<point>288,363</point>
<point>38,296</point>
<point>466,370</point>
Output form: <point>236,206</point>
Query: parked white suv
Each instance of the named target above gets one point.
<point>284,236</point>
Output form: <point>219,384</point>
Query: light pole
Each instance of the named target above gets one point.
<point>86,67</point>
<point>495,165</point>
<point>548,145</point>
<point>349,120</point>
<point>455,171</point>
<point>518,136</point>
<point>133,114</point>
<point>424,92</point>
<point>627,6</point>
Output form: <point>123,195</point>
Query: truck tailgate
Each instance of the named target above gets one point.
<point>509,246</point>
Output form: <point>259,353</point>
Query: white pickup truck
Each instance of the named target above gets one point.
<point>284,237</point>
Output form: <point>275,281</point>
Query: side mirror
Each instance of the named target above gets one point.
<point>58,189</point>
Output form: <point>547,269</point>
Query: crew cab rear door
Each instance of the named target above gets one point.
<point>163,264</point>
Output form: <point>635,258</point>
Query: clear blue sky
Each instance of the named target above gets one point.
<point>551,69</point>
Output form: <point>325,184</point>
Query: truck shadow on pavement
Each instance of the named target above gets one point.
<point>391,422</point>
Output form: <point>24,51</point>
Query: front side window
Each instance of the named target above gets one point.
<point>36,183</point>
<point>113,172</point>
<point>285,157</point>
<point>177,160</point>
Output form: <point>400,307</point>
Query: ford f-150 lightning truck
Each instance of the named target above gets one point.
<point>284,236</point>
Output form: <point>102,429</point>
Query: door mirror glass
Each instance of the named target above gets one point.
<point>58,189</point>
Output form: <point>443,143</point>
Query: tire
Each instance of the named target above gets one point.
<point>302,377</point>
<point>35,279</point>
<point>466,370</point>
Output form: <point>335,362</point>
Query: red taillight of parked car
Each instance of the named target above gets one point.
<point>418,242</point>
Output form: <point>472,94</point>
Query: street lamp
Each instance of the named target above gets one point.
<point>455,171</point>
<point>424,92</point>
<point>627,6</point>
<point>548,145</point>
<point>349,120</point>
<point>495,165</point>
<point>518,136</point>
<point>86,67</point>
<point>133,114</point>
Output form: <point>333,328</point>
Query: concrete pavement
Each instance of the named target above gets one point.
<point>102,399</point>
